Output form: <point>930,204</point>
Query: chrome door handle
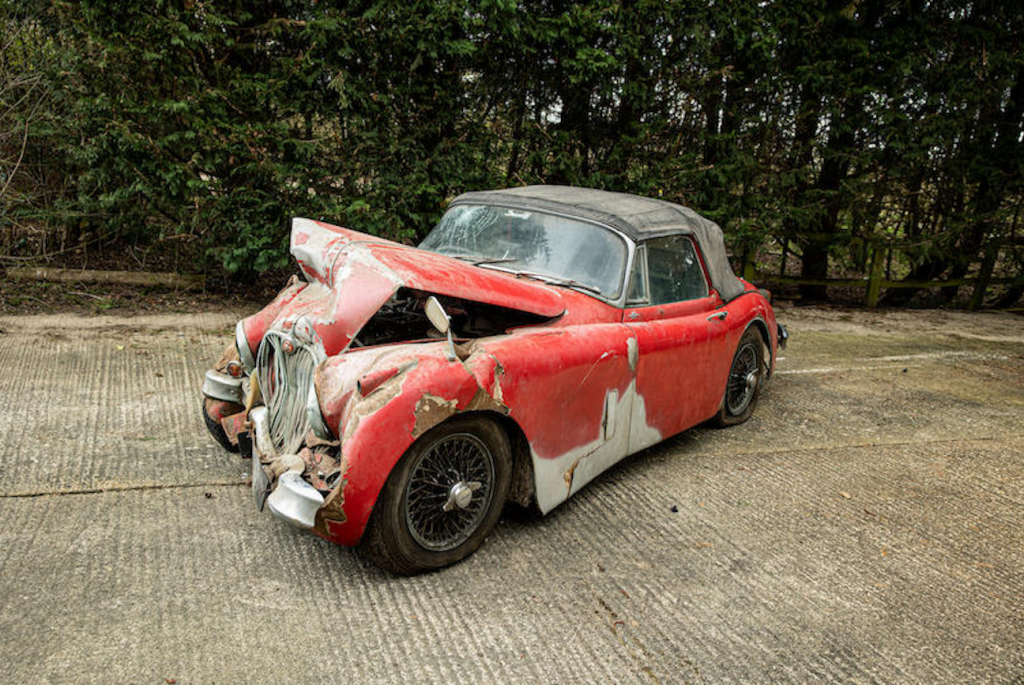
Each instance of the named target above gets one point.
<point>718,315</point>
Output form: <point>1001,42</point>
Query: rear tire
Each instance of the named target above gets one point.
<point>442,498</point>
<point>746,375</point>
<point>217,430</point>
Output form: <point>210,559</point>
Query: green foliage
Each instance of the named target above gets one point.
<point>832,126</point>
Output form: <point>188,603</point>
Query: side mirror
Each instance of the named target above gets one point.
<point>440,320</point>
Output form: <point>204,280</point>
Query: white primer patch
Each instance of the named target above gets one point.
<point>556,479</point>
<point>315,247</point>
<point>632,353</point>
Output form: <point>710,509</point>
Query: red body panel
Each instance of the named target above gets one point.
<point>449,276</point>
<point>592,385</point>
<point>683,365</point>
<point>555,381</point>
<point>368,271</point>
<point>379,428</point>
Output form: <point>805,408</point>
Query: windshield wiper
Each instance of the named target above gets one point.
<point>493,260</point>
<point>479,260</point>
<point>572,283</point>
<point>554,280</point>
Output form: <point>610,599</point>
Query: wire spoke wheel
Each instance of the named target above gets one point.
<point>449,492</point>
<point>743,379</point>
<point>443,497</point>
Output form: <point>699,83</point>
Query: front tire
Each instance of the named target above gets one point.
<point>442,498</point>
<point>746,375</point>
<point>217,430</point>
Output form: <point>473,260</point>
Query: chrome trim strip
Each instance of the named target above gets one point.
<point>244,351</point>
<point>315,416</point>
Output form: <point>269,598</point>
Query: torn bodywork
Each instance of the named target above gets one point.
<point>345,389</point>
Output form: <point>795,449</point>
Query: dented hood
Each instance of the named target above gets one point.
<point>330,254</point>
<point>353,274</point>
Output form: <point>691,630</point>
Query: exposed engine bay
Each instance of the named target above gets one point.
<point>403,318</point>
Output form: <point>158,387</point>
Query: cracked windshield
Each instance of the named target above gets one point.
<point>533,244</point>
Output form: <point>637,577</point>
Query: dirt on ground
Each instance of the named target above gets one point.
<point>44,297</point>
<point>865,525</point>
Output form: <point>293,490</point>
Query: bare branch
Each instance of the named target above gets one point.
<point>14,170</point>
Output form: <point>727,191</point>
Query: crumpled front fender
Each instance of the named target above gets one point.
<point>378,428</point>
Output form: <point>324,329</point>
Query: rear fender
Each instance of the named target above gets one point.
<point>753,309</point>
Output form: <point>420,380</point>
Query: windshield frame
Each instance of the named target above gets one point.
<point>631,247</point>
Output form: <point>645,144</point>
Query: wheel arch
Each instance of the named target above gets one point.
<point>762,327</point>
<point>758,324</point>
<point>522,490</point>
<point>399,417</point>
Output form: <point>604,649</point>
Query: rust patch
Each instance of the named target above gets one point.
<point>432,410</point>
<point>332,510</point>
<point>362,407</point>
<point>230,355</point>
<point>483,402</point>
<point>569,474</point>
<point>313,441</point>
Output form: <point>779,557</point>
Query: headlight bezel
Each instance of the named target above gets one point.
<point>245,354</point>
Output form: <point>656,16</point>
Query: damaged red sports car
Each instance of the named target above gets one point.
<point>396,398</point>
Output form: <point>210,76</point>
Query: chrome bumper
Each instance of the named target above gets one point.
<point>220,386</point>
<point>292,499</point>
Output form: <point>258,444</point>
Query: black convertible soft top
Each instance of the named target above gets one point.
<point>638,217</point>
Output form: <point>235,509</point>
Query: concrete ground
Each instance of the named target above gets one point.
<point>864,526</point>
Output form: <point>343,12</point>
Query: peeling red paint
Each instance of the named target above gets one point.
<point>372,380</point>
<point>588,385</point>
<point>357,276</point>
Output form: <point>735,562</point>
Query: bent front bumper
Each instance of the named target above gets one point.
<point>292,499</point>
<point>295,501</point>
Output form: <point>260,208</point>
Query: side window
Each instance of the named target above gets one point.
<point>637,293</point>
<point>674,272</point>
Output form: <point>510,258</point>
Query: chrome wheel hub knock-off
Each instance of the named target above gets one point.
<point>449,492</point>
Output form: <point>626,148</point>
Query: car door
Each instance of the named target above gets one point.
<point>680,327</point>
